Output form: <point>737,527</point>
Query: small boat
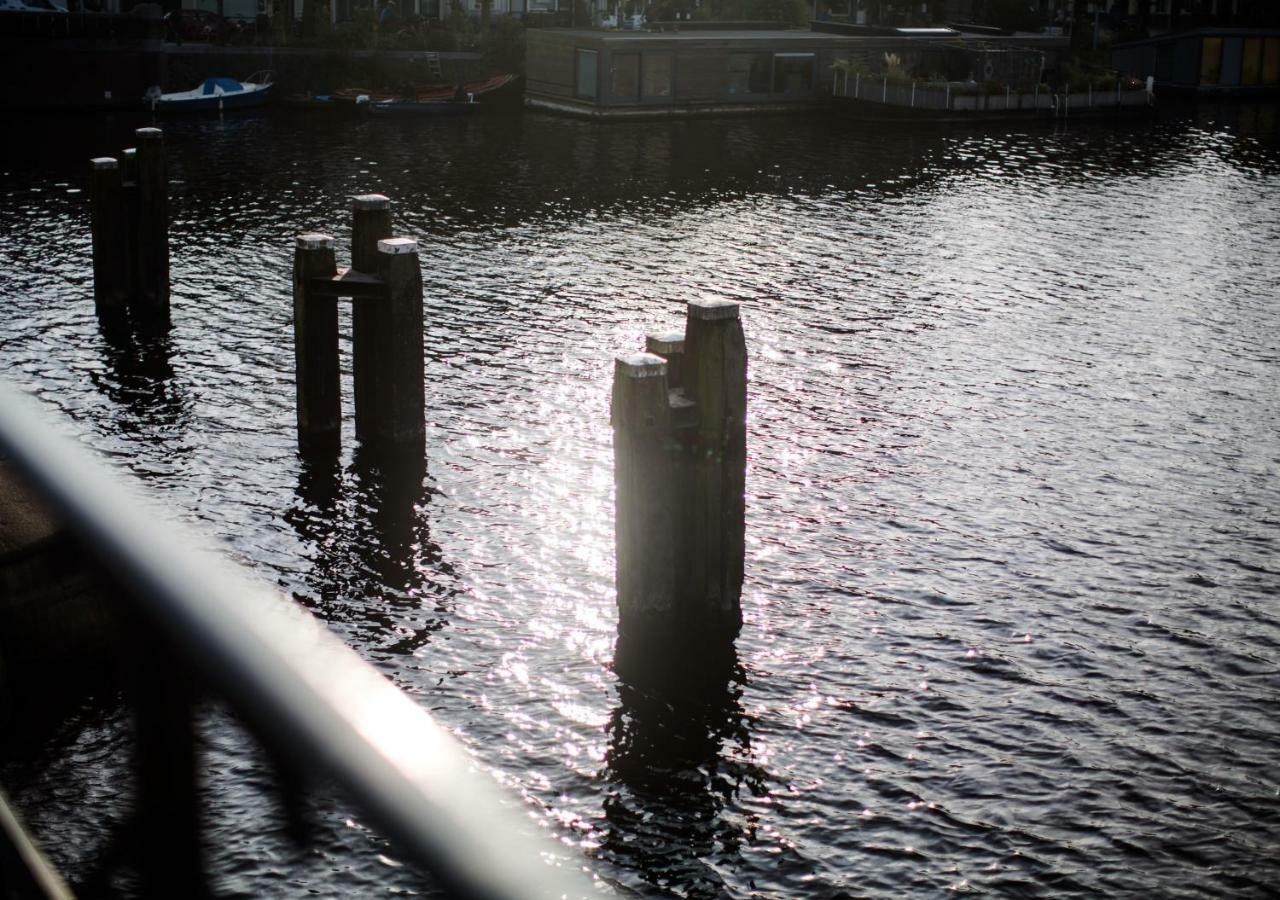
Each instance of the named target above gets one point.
<point>215,93</point>
<point>493,94</point>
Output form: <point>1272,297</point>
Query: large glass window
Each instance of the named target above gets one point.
<point>626,76</point>
<point>657,75</point>
<point>585,80</point>
<point>793,73</point>
<point>1211,60</point>
<point>749,73</point>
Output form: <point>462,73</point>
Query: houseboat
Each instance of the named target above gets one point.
<point>621,74</point>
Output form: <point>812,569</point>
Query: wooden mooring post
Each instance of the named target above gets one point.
<point>129,218</point>
<point>110,239</point>
<point>384,284</point>
<point>680,475</point>
<point>371,222</point>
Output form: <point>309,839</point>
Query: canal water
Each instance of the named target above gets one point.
<point>1012,592</point>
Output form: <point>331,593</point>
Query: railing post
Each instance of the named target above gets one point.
<point>857,85</point>
<point>884,94</point>
<point>715,375</point>
<point>401,398</point>
<point>371,222</point>
<point>644,532</point>
<point>315,342</point>
<point>151,243</point>
<point>913,95</point>
<point>110,245</point>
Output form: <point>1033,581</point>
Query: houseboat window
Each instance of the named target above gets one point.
<point>626,76</point>
<point>749,73</point>
<point>1271,61</point>
<point>793,73</point>
<point>657,75</point>
<point>585,81</point>
<point>1251,61</point>
<point>1211,60</point>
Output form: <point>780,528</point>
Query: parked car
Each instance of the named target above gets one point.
<point>197,25</point>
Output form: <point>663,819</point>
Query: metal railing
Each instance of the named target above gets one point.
<point>311,700</point>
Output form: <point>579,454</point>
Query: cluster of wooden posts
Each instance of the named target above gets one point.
<point>129,212</point>
<point>679,436</point>
<point>384,284</point>
<point>678,409</point>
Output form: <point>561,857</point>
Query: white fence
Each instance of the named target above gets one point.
<point>959,96</point>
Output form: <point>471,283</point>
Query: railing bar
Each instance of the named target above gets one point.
<point>22,861</point>
<point>300,687</point>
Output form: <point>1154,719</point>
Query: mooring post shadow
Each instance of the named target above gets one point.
<point>680,477</point>
<point>129,219</point>
<point>384,284</point>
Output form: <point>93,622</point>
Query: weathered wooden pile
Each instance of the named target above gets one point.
<point>679,433</point>
<point>129,210</point>
<point>384,284</point>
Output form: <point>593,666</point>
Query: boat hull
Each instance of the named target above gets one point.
<point>212,102</point>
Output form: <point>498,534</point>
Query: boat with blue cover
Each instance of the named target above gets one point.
<point>215,94</point>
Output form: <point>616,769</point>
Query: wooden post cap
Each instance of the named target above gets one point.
<point>371,201</point>
<point>713,310</point>
<point>665,342</point>
<point>104,162</point>
<point>640,365</point>
<point>315,241</point>
<point>149,134</point>
<point>398,246</point>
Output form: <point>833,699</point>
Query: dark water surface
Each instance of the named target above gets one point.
<point>1012,587</point>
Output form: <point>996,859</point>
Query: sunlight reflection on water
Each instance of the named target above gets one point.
<point>1011,497</point>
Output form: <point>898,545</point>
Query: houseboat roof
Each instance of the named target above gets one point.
<point>781,37</point>
<point>692,36</point>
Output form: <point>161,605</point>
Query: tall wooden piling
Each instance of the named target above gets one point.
<point>371,223</point>
<point>315,335</point>
<point>152,236</point>
<point>680,474</point>
<point>716,381</point>
<point>400,408</point>
<point>644,500</point>
<point>110,244</point>
<point>129,168</point>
